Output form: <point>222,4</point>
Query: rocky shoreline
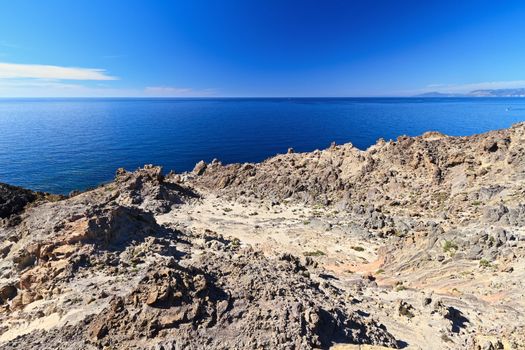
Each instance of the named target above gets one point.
<point>417,243</point>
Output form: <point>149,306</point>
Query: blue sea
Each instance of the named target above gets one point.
<point>59,145</point>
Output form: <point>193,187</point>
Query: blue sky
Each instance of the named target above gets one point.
<point>259,47</point>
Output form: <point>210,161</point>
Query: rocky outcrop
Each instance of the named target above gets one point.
<point>14,199</point>
<point>428,173</point>
<point>222,303</point>
<point>413,242</point>
<point>101,266</point>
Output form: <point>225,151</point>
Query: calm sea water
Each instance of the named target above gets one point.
<point>59,145</point>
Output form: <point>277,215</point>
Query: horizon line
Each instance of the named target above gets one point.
<point>237,97</point>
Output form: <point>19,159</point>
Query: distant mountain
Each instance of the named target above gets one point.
<point>439,94</point>
<point>499,93</point>
<point>479,93</point>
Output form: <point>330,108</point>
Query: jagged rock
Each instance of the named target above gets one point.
<point>148,189</point>
<point>7,292</point>
<point>405,309</point>
<point>200,168</point>
<point>110,230</point>
<point>144,261</point>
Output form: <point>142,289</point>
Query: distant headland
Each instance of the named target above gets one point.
<point>478,93</point>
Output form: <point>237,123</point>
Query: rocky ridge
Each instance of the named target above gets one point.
<point>99,266</point>
<point>413,243</point>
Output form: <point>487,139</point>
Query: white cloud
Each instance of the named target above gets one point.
<point>166,90</point>
<point>9,45</point>
<point>171,91</point>
<point>38,71</point>
<point>36,80</point>
<point>47,88</point>
<point>53,88</point>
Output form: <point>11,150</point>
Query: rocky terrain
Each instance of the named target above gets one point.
<point>417,243</point>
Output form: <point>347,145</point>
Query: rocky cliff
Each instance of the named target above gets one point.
<point>413,243</point>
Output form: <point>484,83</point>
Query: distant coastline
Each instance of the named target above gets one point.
<point>478,93</point>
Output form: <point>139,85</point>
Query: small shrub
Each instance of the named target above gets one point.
<point>235,242</point>
<point>317,213</point>
<point>400,287</point>
<point>484,263</point>
<point>380,271</point>
<point>314,253</point>
<point>358,248</point>
<point>446,338</point>
<point>440,197</point>
<point>227,210</point>
<point>449,246</point>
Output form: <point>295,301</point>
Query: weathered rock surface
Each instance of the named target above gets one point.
<point>14,199</point>
<point>428,173</point>
<point>415,243</point>
<point>100,267</point>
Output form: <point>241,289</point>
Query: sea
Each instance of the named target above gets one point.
<point>60,145</point>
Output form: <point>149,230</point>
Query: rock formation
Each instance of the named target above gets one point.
<point>413,243</point>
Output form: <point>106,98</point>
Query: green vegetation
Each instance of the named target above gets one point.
<point>227,210</point>
<point>449,247</point>
<point>380,271</point>
<point>398,233</point>
<point>358,248</point>
<point>484,263</point>
<point>400,287</point>
<point>446,338</point>
<point>235,242</point>
<point>317,213</point>
<point>440,197</point>
<point>314,253</point>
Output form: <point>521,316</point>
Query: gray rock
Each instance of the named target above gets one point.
<point>200,168</point>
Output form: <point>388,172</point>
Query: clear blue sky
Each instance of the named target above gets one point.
<point>258,47</point>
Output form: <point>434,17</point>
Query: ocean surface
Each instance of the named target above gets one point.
<point>58,145</point>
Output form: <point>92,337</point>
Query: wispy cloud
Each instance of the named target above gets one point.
<point>53,88</point>
<point>113,56</point>
<point>166,90</point>
<point>171,91</point>
<point>39,71</point>
<point>9,45</point>
<point>463,88</point>
<point>37,80</point>
<point>56,88</point>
